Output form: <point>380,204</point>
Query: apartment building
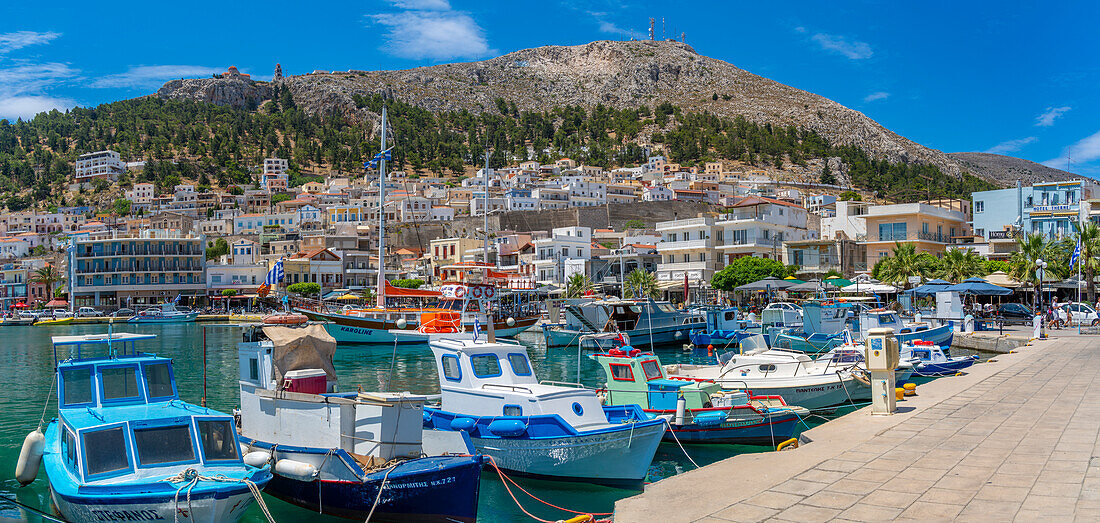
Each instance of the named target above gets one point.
<point>100,164</point>
<point>553,253</point>
<point>143,269</point>
<point>931,229</point>
<point>687,247</point>
<point>321,266</point>
<point>1049,208</point>
<point>449,251</point>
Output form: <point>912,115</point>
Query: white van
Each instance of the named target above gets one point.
<point>86,312</point>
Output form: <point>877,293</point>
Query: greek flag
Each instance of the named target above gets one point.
<point>1076,254</point>
<point>373,162</point>
<point>477,327</point>
<point>275,275</point>
<point>176,299</point>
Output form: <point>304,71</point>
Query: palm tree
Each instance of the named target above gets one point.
<point>641,283</point>
<point>1088,235</point>
<point>577,285</point>
<point>959,265</point>
<point>905,263</point>
<point>1030,249</point>
<point>47,276</point>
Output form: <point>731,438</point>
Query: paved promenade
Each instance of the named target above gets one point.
<point>1012,440</point>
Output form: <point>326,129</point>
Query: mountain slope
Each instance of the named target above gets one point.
<point>1005,170</point>
<point>616,74</point>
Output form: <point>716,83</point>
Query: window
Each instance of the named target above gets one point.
<point>520,366</point>
<point>159,445</point>
<point>68,447</point>
<point>105,451</point>
<point>158,379</point>
<point>451,370</point>
<point>76,385</point>
<point>652,369</point>
<point>513,410</point>
<point>219,442</point>
<point>979,207</point>
<point>621,372</point>
<point>119,383</point>
<point>767,368</point>
<point>253,369</point>
<point>892,231</point>
<point>485,365</point>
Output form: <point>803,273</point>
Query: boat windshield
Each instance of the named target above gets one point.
<point>76,385</point>
<point>666,307</point>
<point>157,445</point>
<point>158,378</point>
<point>120,383</point>
<point>652,369</point>
<point>218,440</point>
<point>105,451</point>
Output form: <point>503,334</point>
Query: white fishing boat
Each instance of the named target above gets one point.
<point>166,313</point>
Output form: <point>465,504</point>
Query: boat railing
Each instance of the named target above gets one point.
<point>775,366</point>
<point>513,388</point>
<point>563,384</point>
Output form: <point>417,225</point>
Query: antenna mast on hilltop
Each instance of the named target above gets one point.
<point>663,35</point>
<point>651,21</point>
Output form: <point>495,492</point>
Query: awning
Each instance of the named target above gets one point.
<point>399,292</point>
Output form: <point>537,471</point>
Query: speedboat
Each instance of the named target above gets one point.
<point>165,313</point>
<point>930,360</point>
<point>696,411</point>
<point>647,322</point>
<point>352,454</point>
<point>547,430</point>
<point>125,447</point>
<point>47,321</point>
<point>794,376</point>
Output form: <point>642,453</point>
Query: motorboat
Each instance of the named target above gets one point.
<point>647,322</point>
<point>794,376</point>
<point>124,446</point>
<point>906,332</point>
<point>696,411</point>
<point>48,321</point>
<point>542,429</point>
<point>353,454</point>
<point>18,320</point>
<point>781,314</point>
<point>851,353</point>
<point>931,360</point>
<point>165,313</point>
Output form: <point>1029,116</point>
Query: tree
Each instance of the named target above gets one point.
<point>850,196</point>
<point>305,288</point>
<point>827,175</point>
<point>714,97</point>
<point>1029,250</point>
<point>280,197</point>
<point>992,266</point>
<point>229,293</point>
<point>408,283</point>
<point>577,286</point>
<point>958,265</point>
<point>1088,235</point>
<point>47,276</point>
<point>747,269</point>
<point>634,224</point>
<point>122,206</point>
<point>217,249</point>
<point>641,283</point>
<point>904,264</point>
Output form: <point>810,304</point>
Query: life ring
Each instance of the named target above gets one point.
<point>476,292</point>
<point>460,291</point>
<point>490,292</point>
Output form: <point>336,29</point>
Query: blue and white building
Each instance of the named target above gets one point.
<point>1048,208</point>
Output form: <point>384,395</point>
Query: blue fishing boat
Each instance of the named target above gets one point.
<point>725,328</point>
<point>696,410</point>
<point>930,360</point>
<point>906,332</point>
<point>124,447</point>
<point>353,454</point>
<point>549,430</point>
<point>647,322</point>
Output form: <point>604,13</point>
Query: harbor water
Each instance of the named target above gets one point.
<point>27,379</point>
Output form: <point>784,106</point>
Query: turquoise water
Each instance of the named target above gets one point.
<point>27,378</point>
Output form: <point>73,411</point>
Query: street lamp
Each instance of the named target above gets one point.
<point>1041,267</point>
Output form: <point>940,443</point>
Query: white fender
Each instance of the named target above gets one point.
<point>295,470</point>
<point>257,458</point>
<point>30,457</point>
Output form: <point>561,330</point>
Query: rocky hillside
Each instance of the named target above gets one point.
<point>618,74</point>
<point>1005,170</point>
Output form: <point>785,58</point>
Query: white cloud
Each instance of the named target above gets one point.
<point>20,39</point>
<point>1052,113</point>
<point>434,5</point>
<point>434,35</point>
<point>854,50</point>
<point>33,78</point>
<point>609,27</point>
<point>149,76</point>
<point>1084,151</point>
<point>800,29</point>
<point>25,107</point>
<point>880,95</point>
<point>1010,145</point>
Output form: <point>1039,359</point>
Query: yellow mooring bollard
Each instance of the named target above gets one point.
<point>910,389</point>
<point>899,394</point>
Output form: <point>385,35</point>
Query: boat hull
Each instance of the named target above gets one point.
<point>775,429</point>
<point>814,394</point>
<point>946,368</point>
<point>941,336</point>
<point>186,318</point>
<point>559,337</point>
<point>442,489</point>
<point>47,323</point>
<point>223,505</point>
<point>352,335</point>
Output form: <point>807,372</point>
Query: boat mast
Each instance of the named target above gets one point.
<point>381,294</point>
<point>485,209</point>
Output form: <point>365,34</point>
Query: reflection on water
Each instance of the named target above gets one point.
<point>27,379</point>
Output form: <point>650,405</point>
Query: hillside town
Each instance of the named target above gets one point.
<point>212,244</point>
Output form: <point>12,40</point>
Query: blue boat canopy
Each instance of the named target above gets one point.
<point>978,287</point>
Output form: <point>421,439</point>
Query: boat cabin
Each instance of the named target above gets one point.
<point>477,378</point>
<point>826,317</point>
<point>120,415</point>
<point>727,319</point>
<point>634,377</point>
<point>878,318</point>
<point>627,315</point>
<point>781,314</point>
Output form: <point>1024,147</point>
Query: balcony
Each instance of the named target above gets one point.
<point>749,242</point>
<point>679,244</point>
<point>686,266</point>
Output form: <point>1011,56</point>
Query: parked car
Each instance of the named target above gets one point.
<point>61,313</point>
<point>87,312</point>
<point>123,313</point>
<point>1015,311</point>
<point>1081,314</point>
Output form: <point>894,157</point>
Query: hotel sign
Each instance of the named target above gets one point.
<point>1052,208</point>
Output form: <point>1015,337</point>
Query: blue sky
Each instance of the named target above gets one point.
<point>1017,78</point>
